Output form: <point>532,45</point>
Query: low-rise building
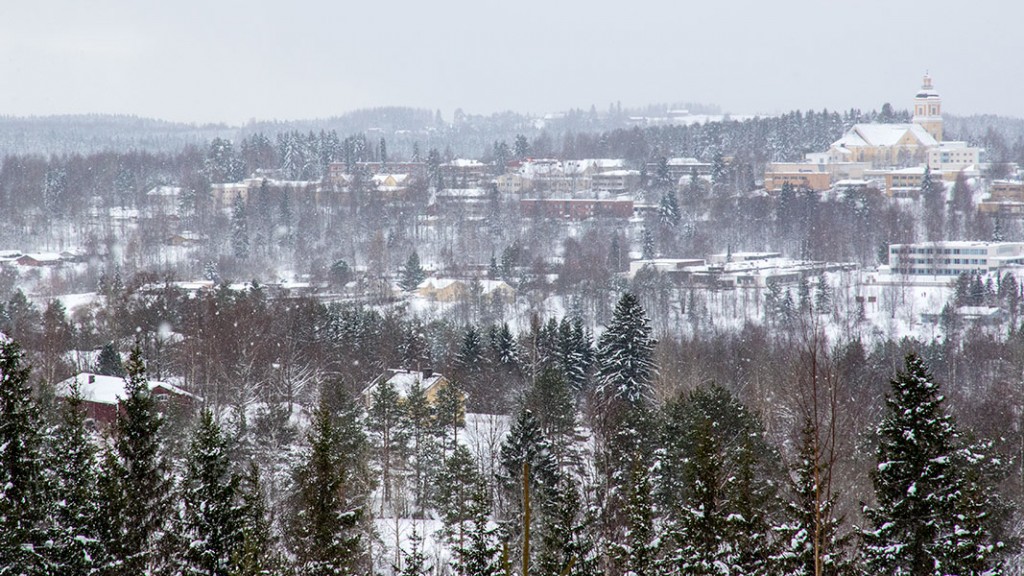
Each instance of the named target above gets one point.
<point>577,208</point>
<point>953,156</point>
<point>774,181</point>
<point>102,395</point>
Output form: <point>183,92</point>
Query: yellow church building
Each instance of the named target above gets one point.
<point>895,144</point>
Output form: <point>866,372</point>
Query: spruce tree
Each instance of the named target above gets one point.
<point>21,480</point>
<point>935,508</point>
<point>412,273</point>
<point>414,561</point>
<point>211,512</point>
<point>575,351</point>
<point>76,511</point>
<point>668,208</point>
<point>471,353</point>
<point>625,373</point>
<point>565,533</point>
<point>139,473</point>
<point>464,504</point>
<point>108,363</point>
<point>625,354</point>
<point>239,229</point>
<point>639,552</point>
<point>525,447</point>
<point>326,506</point>
<point>257,554</point>
<point>715,485</point>
<point>551,402</point>
<point>478,553</point>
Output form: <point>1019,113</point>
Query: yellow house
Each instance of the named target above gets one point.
<point>403,382</point>
<point>451,289</point>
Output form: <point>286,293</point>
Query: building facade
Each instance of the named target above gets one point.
<point>954,258</point>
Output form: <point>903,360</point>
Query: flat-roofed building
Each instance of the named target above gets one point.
<point>954,258</point>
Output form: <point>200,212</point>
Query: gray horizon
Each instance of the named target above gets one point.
<point>233,61</point>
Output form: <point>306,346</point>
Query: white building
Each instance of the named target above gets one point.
<point>954,258</point>
<point>953,156</point>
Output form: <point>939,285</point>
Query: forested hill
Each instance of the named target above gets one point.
<point>87,133</point>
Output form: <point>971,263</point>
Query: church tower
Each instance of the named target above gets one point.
<point>928,109</point>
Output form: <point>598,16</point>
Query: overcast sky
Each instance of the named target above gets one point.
<point>230,61</point>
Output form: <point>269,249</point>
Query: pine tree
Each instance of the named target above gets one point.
<point>21,480</point>
<point>140,472</point>
<point>934,506</point>
<point>211,523</point>
<point>326,505</point>
<point>412,273</point>
<point>625,354</point>
<point>76,507</point>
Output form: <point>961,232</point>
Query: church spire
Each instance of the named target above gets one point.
<point>928,108</point>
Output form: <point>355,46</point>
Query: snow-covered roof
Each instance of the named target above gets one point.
<point>465,163</point>
<point>404,380</point>
<point>164,191</point>
<point>619,173</point>
<point>43,256</point>
<point>108,389</point>
<point>380,179</point>
<point>977,310</point>
<point>487,286</point>
<point>436,283</point>
<point>462,193</point>
<point>883,135</point>
<point>682,161</point>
